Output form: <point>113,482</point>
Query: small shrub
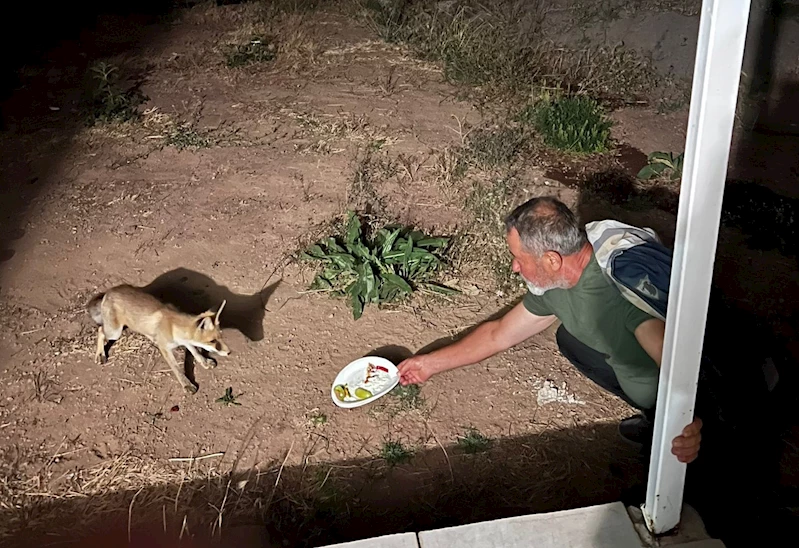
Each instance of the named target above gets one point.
<point>386,268</point>
<point>573,124</point>
<point>662,164</point>
<point>109,103</point>
<point>257,50</point>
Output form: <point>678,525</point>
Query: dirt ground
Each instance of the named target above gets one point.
<point>106,206</point>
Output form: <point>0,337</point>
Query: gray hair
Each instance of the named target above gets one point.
<point>547,224</point>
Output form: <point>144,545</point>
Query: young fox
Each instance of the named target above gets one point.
<point>128,306</point>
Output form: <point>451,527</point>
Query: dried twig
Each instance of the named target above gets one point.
<point>130,509</point>
<point>195,459</point>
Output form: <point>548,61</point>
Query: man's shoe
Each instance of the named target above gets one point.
<point>636,431</point>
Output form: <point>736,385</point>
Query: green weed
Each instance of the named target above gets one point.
<point>662,164</point>
<point>393,452</point>
<point>228,398</point>
<point>574,124</point>
<point>409,397</point>
<point>382,269</point>
<point>109,103</point>
<point>473,441</point>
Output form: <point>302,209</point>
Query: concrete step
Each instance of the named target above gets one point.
<point>404,540</point>
<point>604,526</point>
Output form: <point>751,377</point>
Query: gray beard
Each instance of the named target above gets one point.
<point>539,290</point>
<point>536,289</point>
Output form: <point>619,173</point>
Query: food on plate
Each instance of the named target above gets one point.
<point>342,392</point>
<point>362,393</point>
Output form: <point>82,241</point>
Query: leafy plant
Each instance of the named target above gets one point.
<point>386,268</point>
<point>108,102</point>
<point>393,452</point>
<point>257,50</point>
<point>228,398</point>
<point>660,164</point>
<point>574,124</point>
<point>473,441</point>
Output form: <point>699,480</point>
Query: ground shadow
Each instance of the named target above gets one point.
<point>393,353</point>
<point>41,107</point>
<point>446,341</point>
<point>314,505</point>
<point>194,292</point>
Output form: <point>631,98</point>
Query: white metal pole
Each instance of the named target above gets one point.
<point>717,71</point>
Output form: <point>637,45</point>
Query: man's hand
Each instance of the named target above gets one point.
<point>686,446</point>
<point>414,370</point>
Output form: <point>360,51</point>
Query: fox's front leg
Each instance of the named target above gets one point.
<point>207,363</point>
<point>176,369</point>
<point>100,356</point>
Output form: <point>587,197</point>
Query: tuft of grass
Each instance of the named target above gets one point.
<point>383,268</point>
<point>108,102</point>
<point>498,48</point>
<point>258,49</point>
<point>449,167</point>
<point>184,136</point>
<point>317,418</point>
<point>494,148</point>
<point>409,397</point>
<point>393,452</point>
<point>473,441</point>
<point>574,124</point>
<point>484,242</point>
<point>370,170</point>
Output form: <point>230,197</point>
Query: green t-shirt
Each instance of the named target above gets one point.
<point>597,314</point>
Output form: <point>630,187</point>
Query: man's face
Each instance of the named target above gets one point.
<point>540,273</point>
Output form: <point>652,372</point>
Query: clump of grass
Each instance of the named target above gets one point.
<point>409,397</point>
<point>393,452</point>
<point>499,49</point>
<point>384,268</point>
<point>184,136</point>
<point>473,441</point>
<point>494,148</point>
<point>109,102</point>
<point>258,49</point>
<point>485,243</point>
<point>450,166</point>
<point>317,418</point>
<point>574,124</point>
<point>370,170</point>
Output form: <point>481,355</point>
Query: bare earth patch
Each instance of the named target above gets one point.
<point>230,171</point>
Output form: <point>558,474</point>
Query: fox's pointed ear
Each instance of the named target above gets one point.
<point>218,312</point>
<point>207,323</point>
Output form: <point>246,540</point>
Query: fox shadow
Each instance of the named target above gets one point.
<point>194,292</point>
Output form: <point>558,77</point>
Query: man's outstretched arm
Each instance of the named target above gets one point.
<point>486,340</point>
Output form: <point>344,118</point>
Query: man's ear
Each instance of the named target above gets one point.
<point>554,260</point>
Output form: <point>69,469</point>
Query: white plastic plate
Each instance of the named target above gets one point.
<point>354,376</point>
